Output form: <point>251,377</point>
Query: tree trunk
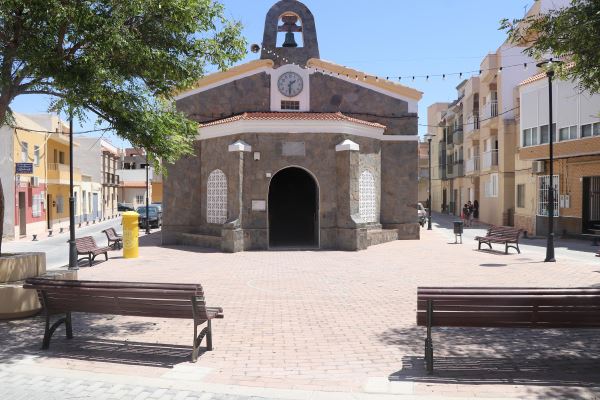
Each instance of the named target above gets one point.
<point>1,215</point>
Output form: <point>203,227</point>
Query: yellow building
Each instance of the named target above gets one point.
<point>24,189</point>
<point>58,179</point>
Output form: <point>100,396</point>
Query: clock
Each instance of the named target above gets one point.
<point>290,84</point>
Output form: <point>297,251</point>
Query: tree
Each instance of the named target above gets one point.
<point>570,34</point>
<point>118,60</point>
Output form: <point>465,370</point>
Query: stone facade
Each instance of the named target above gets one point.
<point>350,129</point>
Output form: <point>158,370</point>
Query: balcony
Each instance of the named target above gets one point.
<point>472,123</point>
<point>489,67</point>
<point>490,159</point>
<point>60,174</point>
<point>442,173</point>
<point>490,110</point>
<point>110,179</point>
<point>457,136</point>
<point>455,170</point>
<point>472,166</point>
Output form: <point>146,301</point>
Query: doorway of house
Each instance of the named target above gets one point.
<point>293,209</point>
<point>590,218</point>
<point>49,210</point>
<point>22,214</point>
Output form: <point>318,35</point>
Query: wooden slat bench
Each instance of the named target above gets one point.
<point>505,308</point>
<point>114,240</point>
<point>87,246</point>
<point>158,300</point>
<point>501,234</point>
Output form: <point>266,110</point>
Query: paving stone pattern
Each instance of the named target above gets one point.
<point>321,321</point>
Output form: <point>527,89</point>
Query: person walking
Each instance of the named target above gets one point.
<point>476,210</point>
<point>465,215</point>
<point>471,209</point>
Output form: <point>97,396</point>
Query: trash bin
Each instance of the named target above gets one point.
<point>130,234</point>
<point>458,227</point>
<point>458,231</point>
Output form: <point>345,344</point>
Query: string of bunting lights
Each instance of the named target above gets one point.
<point>364,77</point>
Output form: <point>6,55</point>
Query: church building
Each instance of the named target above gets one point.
<point>295,152</point>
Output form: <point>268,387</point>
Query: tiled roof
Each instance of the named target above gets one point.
<point>292,116</point>
<point>533,78</point>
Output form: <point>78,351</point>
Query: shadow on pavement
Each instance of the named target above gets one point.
<point>92,342</point>
<point>545,357</point>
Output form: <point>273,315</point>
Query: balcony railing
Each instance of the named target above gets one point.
<point>472,123</point>
<point>490,159</point>
<point>62,172</point>
<point>110,179</point>
<point>472,165</point>
<point>457,136</point>
<point>490,110</point>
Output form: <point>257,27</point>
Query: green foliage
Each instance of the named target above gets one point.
<point>116,58</point>
<point>571,34</point>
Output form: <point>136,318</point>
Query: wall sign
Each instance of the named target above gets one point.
<point>24,168</point>
<point>259,205</point>
<point>293,149</point>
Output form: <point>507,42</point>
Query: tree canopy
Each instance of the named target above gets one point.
<point>117,59</point>
<point>571,34</point>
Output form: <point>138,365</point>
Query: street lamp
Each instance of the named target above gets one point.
<point>429,137</point>
<point>147,198</point>
<point>550,64</point>
<point>72,249</point>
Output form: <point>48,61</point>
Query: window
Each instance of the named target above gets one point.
<point>366,197</point>
<point>530,137</point>
<point>544,137</point>
<point>61,157</point>
<point>36,155</point>
<point>139,199</point>
<point>290,105</point>
<point>521,196</point>
<point>590,130</point>
<point>543,191</point>
<point>568,133</point>
<point>24,151</point>
<point>216,193</point>
<point>491,187</point>
<point>36,206</point>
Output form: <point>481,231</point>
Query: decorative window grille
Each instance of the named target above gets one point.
<point>216,193</point>
<point>543,191</point>
<point>36,206</point>
<point>521,196</point>
<point>290,105</point>
<point>367,199</point>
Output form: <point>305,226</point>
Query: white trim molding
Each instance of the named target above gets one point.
<point>300,126</point>
<point>347,145</point>
<point>240,146</point>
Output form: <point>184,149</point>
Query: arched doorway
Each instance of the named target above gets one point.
<point>293,209</point>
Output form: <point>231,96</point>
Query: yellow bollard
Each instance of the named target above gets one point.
<point>130,234</point>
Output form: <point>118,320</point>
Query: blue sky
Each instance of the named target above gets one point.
<point>384,38</point>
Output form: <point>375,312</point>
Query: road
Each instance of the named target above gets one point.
<point>57,247</point>
<point>581,250</point>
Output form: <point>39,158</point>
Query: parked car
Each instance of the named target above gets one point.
<point>124,207</point>
<point>159,205</point>
<point>154,216</point>
<point>422,214</point>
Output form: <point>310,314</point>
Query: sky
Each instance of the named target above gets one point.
<point>382,38</point>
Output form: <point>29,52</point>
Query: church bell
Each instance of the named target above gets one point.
<point>290,40</point>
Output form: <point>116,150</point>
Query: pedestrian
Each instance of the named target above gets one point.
<point>465,215</point>
<point>476,210</point>
<point>471,209</point>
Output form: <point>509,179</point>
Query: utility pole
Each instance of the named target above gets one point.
<point>72,249</point>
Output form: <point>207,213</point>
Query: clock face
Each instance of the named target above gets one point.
<point>290,84</point>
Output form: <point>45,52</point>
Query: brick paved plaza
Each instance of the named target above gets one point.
<point>301,323</point>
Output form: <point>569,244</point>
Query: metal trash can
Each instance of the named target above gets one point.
<point>459,227</point>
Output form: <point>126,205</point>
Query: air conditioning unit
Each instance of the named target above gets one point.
<point>538,167</point>
<point>35,181</point>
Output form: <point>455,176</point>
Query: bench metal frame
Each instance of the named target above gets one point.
<point>65,318</point>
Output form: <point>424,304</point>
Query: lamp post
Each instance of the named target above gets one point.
<point>429,138</point>
<point>72,249</point>
<point>550,64</point>
<point>147,198</point>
